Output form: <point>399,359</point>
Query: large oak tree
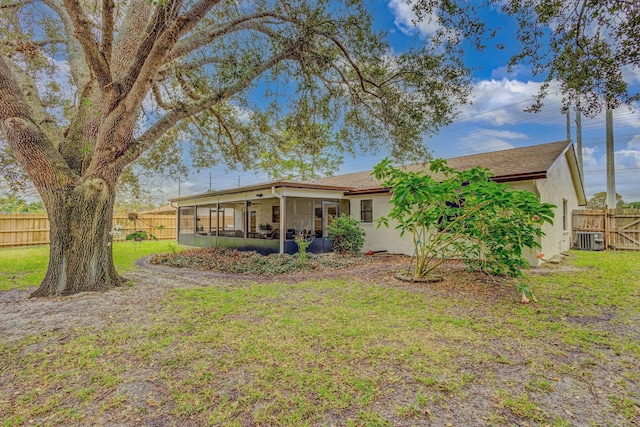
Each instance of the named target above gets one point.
<point>144,76</point>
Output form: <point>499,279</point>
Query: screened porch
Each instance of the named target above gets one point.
<point>266,220</point>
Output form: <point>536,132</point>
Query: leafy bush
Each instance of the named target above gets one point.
<point>463,214</point>
<point>346,234</point>
<point>140,235</point>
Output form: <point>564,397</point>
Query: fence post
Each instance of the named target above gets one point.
<point>607,229</point>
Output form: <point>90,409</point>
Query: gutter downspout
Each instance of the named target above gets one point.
<point>282,229</point>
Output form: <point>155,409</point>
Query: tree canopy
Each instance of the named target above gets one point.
<point>12,204</point>
<point>586,46</point>
<point>599,201</point>
<point>222,77</point>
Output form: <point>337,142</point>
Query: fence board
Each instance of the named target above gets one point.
<point>621,227</point>
<point>33,229</point>
<point>625,229</point>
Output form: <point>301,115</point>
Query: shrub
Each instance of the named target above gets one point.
<point>463,214</point>
<point>226,260</point>
<point>346,234</point>
<point>303,243</point>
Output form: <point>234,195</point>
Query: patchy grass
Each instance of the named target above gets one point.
<point>26,266</point>
<point>346,352</point>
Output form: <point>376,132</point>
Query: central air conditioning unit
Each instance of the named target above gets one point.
<point>589,241</point>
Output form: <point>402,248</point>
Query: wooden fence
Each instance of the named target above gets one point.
<point>33,229</point>
<point>620,227</point>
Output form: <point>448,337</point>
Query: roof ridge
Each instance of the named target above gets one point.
<point>547,144</point>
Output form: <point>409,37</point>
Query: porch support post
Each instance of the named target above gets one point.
<point>283,214</point>
<point>217,220</point>
<point>178,225</point>
<point>283,222</point>
<point>195,219</point>
<point>246,218</point>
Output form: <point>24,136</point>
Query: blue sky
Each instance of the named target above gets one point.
<point>494,121</point>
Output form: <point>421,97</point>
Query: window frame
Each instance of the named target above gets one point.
<point>369,211</point>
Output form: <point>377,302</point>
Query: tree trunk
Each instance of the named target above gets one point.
<point>81,256</point>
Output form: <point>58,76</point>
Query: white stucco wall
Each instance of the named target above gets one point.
<point>383,238</point>
<point>558,187</point>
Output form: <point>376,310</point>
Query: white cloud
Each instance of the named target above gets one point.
<point>405,19</point>
<point>630,156</point>
<point>500,102</point>
<point>589,157</point>
<point>634,143</point>
<point>631,75</point>
<point>503,72</point>
<point>485,140</point>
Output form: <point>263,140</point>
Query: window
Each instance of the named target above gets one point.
<point>275,214</point>
<point>564,215</point>
<point>366,210</point>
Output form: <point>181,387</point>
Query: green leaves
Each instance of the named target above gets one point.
<point>463,214</point>
<point>346,234</point>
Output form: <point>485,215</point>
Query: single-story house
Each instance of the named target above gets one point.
<point>266,217</point>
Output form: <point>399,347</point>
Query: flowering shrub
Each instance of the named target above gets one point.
<point>463,214</point>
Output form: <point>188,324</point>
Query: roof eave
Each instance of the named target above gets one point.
<point>262,187</point>
<point>576,175</point>
<point>520,177</point>
<point>367,191</point>
<point>500,179</point>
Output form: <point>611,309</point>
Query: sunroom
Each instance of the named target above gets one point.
<point>265,218</point>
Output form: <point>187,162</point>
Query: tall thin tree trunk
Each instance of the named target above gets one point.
<point>80,252</point>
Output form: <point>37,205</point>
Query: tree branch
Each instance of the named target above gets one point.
<point>107,28</point>
<point>223,124</point>
<point>172,68</point>
<point>39,114</point>
<point>158,97</point>
<point>186,89</point>
<point>40,43</point>
<point>77,64</point>
<point>16,4</point>
<point>28,142</point>
<point>146,140</point>
<point>206,36</point>
<point>95,59</point>
<point>151,58</point>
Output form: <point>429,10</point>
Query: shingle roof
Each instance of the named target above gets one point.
<point>507,165</point>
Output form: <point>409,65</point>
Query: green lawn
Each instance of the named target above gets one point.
<point>26,266</point>
<point>343,352</point>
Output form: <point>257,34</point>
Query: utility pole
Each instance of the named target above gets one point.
<point>568,124</point>
<point>178,186</point>
<point>579,140</point>
<point>611,169</point>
